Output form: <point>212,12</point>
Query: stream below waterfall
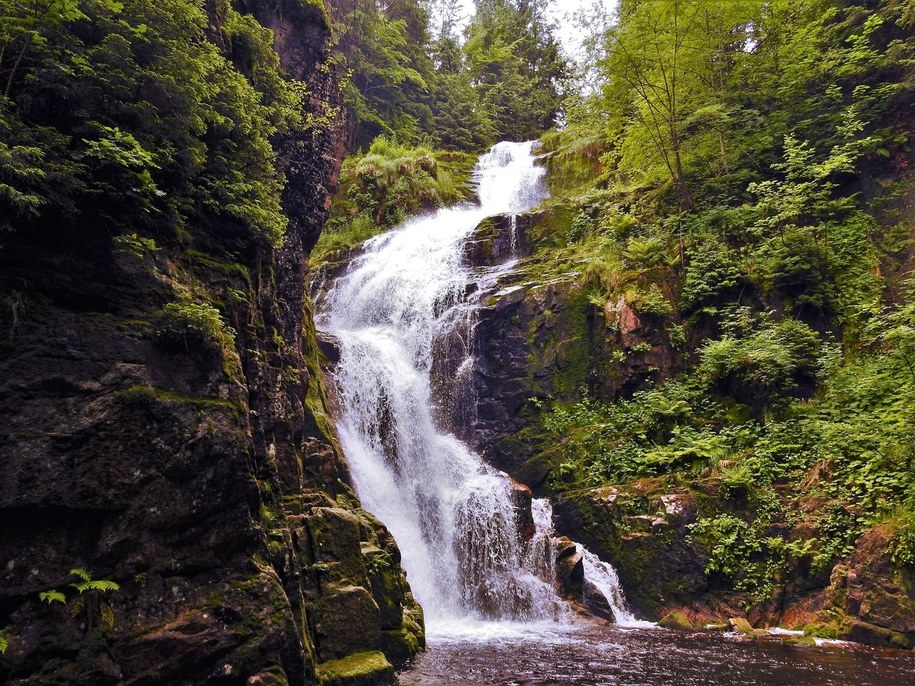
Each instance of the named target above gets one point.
<point>479,555</point>
<point>587,655</point>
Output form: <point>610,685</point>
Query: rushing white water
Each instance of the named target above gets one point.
<point>402,313</point>
<point>603,577</point>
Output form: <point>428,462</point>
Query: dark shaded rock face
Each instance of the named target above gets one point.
<point>200,473</point>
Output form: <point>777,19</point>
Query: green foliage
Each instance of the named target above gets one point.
<point>733,178</point>
<point>4,644</point>
<point>87,602</point>
<point>515,66</point>
<point>772,362</point>
<point>134,245</point>
<point>177,320</point>
<point>902,548</point>
<point>713,276</point>
<point>87,583</point>
<point>388,184</point>
<point>125,109</point>
<point>741,552</point>
<point>838,532</point>
<point>52,596</point>
<point>409,76</point>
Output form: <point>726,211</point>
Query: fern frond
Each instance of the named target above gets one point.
<point>107,614</point>
<point>81,586</point>
<point>52,596</point>
<point>82,573</point>
<point>103,585</point>
<point>77,606</point>
<point>4,644</point>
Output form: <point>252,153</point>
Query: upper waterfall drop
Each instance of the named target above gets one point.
<point>467,547</point>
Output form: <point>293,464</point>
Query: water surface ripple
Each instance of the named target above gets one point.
<point>607,656</point>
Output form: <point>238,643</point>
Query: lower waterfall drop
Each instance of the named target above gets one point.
<point>467,552</point>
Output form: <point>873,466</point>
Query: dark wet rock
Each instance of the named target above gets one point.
<point>596,602</point>
<point>521,502</point>
<point>570,570</point>
<point>498,239</point>
<point>329,346</point>
<point>872,634</point>
<point>201,474</point>
<point>548,340</point>
<point>657,564</point>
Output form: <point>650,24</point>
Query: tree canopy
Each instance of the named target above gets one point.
<point>410,75</point>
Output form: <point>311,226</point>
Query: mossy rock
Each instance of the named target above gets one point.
<point>345,619</point>
<point>744,628</point>
<point>676,620</point>
<point>801,641</point>
<point>871,634</point>
<point>359,669</point>
<point>400,644</point>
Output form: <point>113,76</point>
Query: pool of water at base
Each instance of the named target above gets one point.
<point>590,655</point>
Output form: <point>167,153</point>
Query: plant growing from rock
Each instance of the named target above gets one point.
<point>88,600</point>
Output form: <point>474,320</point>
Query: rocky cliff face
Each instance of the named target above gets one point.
<point>542,337</point>
<point>190,462</point>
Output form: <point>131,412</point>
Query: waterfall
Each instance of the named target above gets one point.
<point>473,544</point>
<point>604,578</point>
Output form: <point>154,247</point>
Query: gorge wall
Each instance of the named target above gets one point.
<point>186,454</point>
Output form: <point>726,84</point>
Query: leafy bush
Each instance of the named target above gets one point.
<point>713,277</point>
<point>902,548</point>
<point>388,184</point>
<point>134,245</point>
<point>184,317</point>
<point>125,109</point>
<point>770,364</point>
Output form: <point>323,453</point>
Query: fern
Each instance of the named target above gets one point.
<point>77,606</point>
<point>90,584</point>
<point>52,596</point>
<point>4,644</point>
<point>107,615</point>
<point>82,573</point>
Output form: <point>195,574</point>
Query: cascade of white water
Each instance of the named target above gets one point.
<point>605,579</point>
<point>408,296</point>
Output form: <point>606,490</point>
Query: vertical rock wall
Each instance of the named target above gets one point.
<point>200,473</point>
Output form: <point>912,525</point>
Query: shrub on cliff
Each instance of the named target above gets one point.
<point>391,182</point>
<point>777,361</point>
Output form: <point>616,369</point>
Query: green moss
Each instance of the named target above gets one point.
<point>837,627</point>
<point>145,396</point>
<point>199,258</point>
<point>400,644</point>
<point>801,641</point>
<point>315,398</point>
<point>359,669</point>
<point>676,620</point>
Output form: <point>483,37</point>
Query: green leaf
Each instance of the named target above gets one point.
<point>81,573</point>
<point>52,596</point>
